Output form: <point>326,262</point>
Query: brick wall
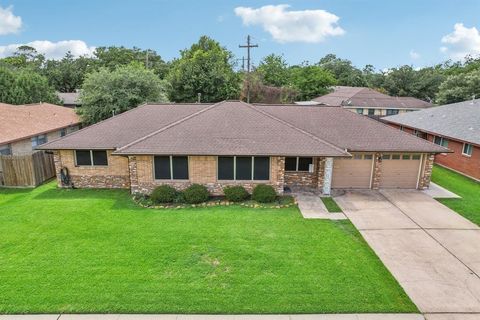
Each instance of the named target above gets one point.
<point>469,166</point>
<point>307,179</point>
<point>202,170</point>
<point>426,174</point>
<point>377,171</point>
<point>115,175</point>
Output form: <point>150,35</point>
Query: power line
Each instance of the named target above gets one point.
<point>248,46</point>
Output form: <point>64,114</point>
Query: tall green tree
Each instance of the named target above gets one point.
<point>274,70</point>
<point>106,92</point>
<point>459,87</point>
<point>25,57</point>
<point>68,74</point>
<point>22,86</point>
<point>343,70</point>
<point>112,57</point>
<point>205,68</point>
<point>311,81</point>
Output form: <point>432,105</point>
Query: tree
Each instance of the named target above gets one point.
<point>67,74</point>
<point>112,57</point>
<point>106,92</point>
<point>274,70</point>
<point>24,86</point>
<point>262,93</point>
<point>343,70</point>
<point>311,81</point>
<point>459,87</point>
<point>205,68</point>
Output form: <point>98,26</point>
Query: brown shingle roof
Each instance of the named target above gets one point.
<point>23,121</point>
<point>366,97</point>
<point>237,128</point>
<point>231,128</point>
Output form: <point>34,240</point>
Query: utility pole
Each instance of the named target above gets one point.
<point>248,46</point>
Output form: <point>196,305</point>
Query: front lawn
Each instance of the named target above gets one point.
<point>96,251</point>
<point>469,205</point>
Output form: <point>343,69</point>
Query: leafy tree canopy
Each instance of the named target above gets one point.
<point>274,70</point>
<point>459,87</point>
<point>106,92</point>
<point>205,68</point>
<point>343,70</point>
<point>311,81</point>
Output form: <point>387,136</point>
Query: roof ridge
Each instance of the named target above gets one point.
<point>295,127</point>
<point>168,126</point>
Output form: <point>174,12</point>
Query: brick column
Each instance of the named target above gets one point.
<point>427,172</point>
<point>320,172</point>
<point>377,171</point>
<point>132,168</point>
<point>280,174</point>
<point>327,176</point>
<point>57,160</point>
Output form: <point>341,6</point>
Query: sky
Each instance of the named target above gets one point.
<point>384,33</point>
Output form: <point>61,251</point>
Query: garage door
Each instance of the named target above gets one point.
<point>400,171</point>
<point>352,173</point>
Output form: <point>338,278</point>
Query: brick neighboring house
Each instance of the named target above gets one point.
<point>456,126</point>
<point>369,102</point>
<point>24,127</point>
<point>235,143</point>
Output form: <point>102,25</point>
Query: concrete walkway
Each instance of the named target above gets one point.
<point>433,252</point>
<point>312,207</point>
<point>364,316</point>
<point>436,191</point>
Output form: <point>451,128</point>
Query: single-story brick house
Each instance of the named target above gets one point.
<point>455,126</point>
<point>235,143</point>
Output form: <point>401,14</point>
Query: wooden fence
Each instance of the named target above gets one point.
<point>28,170</point>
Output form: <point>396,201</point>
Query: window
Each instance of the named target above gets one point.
<point>91,158</point>
<point>402,128</point>
<point>395,157</point>
<point>441,141</point>
<point>391,112</point>
<point>416,157</point>
<point>63,132</point>
<point>368,157</point>
<point>406,157</point>
<point>371,112</point>
<point>357,156</point>
<point>467,149</point>
<point>5,150</point>
<point>386,157</point>
<point>360,110</point>
<point>298,163</point>
<point>170,167</point>
<point>243,168</point>
<point>38,140</point>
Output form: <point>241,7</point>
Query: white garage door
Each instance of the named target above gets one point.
<point>352,173</point>
<point>400,171</point>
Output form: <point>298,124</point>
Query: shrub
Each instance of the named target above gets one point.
<point>195,193</point>
<point>235,193</point>
<point>264,193</point>
<point>164,194</point>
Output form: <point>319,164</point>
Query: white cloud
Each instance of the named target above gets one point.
<point>414,55</point>
<point>292,26</point>
<point>461,42</point>
<point>9,23</point>
<point>52,50</point>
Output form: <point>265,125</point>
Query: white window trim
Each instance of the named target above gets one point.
<point>253,168</point>
<point>91,159</point>
<point>171,168</point>
<point>471,149</point>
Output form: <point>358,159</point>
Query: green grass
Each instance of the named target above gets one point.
<point>331,205</point>
<point>469,205</point>
<point>95,251</point>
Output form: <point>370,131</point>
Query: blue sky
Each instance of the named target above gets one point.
<point>383,33</point>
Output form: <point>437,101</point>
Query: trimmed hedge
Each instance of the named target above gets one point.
<point>164,194</point>
<point>196,193</point>
<point>235,193</point>
<point>264,193</point>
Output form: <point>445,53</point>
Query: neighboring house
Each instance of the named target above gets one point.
<point>235,143</point>
<point>369,102</point>
<point>24,127</point>
<point>70,99</point>
<point>456,126</point>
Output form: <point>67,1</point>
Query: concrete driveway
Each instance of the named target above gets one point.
<point>433,252</point>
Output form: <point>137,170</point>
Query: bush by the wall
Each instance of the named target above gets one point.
<point>164,194</point>
<point>235,193</point>
<point>195,193</point>
<point>264,193</point>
